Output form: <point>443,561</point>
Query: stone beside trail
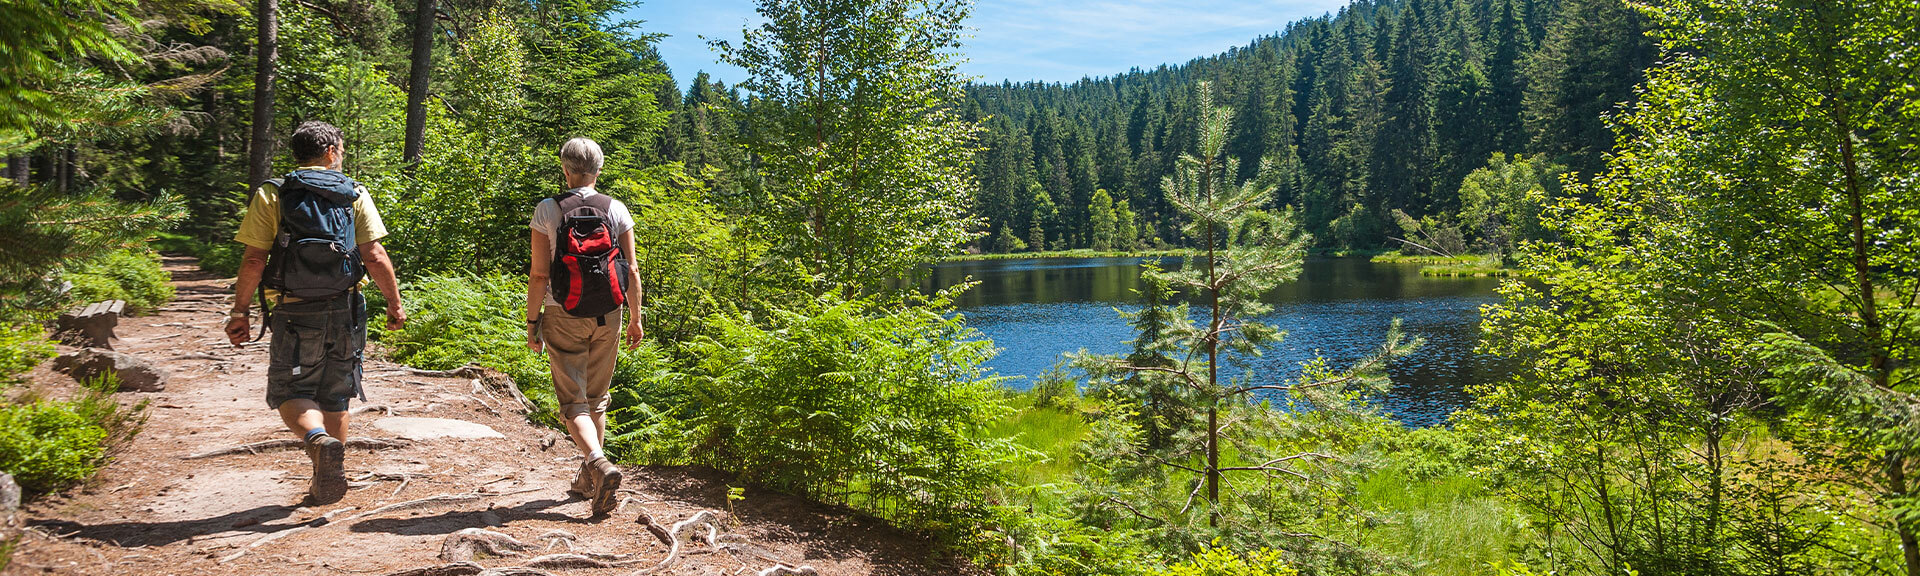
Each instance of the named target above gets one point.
<point>151,511</point>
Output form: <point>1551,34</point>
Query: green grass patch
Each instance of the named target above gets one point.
<point>1467,260</point>
<point>1465,271</point>
<point>1449,524</point>
<point>1052,431</point>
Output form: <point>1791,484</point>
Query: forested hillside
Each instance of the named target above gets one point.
<point>1384,106</point>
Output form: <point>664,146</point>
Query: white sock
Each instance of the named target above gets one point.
<point>595,454</point>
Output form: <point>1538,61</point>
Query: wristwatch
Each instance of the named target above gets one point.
<point>239,314</point>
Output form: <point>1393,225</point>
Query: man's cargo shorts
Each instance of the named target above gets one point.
<point>316,352</point>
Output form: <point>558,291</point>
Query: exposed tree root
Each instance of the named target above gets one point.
<point>469,371</point>
<point>461,546</point>
<point>454,569</point>
<point>288,443</point>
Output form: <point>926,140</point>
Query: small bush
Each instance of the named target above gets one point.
<point>855,403</point>
<point>131,275</point>
<point>23,345</point>
<point>50,445</point>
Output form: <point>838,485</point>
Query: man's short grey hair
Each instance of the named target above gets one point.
<point>582,156</point>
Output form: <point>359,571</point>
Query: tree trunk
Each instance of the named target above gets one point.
<point>1879,359</point>
<point>417,79</point>
<point>63,168</point>
<point>18,169</point>
<point>260,146</point>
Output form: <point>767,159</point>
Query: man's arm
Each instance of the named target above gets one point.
<point>252,266</point>
<point>381,267</point>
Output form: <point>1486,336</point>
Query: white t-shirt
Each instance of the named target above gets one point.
<point>546,219</point>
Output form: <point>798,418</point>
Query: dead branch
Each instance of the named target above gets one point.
<point>1136,512</point>
<point>286,443</point>
<point>199,356</point>
<point>783,569</point>
<point>653,526</point>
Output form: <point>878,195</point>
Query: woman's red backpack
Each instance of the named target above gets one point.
<point>588,271</point>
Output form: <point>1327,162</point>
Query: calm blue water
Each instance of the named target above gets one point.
<point>1037,309</point>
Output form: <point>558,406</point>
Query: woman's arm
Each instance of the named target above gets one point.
<point>635,332</point>
<point>537,286</point>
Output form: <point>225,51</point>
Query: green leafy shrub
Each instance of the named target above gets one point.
<point>457,320</point>
<point>849,402</point>
<point>23,345</point>
<point>651,403</point>
<point>133,275</point>
<point>47,446</point>
<point>1224,562</point>
<point>50,445</point>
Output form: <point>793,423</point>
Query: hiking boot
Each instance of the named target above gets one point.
<point>607,490</point>
<point>329,469</point>
<point>582,482</point>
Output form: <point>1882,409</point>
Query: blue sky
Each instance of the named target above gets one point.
<point>1047,40</point>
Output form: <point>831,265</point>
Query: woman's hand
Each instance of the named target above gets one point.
<point>635,335</point>
<point>533,337</point>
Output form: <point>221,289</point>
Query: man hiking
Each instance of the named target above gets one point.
<point>583,274</point>
<point>311,238</point>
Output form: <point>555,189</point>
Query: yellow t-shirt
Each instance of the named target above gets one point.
<point>262,222</point>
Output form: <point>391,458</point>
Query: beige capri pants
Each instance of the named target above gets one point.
<point>582,352</point>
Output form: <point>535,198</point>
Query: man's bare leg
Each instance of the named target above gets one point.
<point>328,454</point>
<point>301,415</point>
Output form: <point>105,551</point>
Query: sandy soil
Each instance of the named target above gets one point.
<point>153,512</point>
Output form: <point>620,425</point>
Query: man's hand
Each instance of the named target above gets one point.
<point>396,316</point>
<point>635,335</point>
<point>239,329</point>
<point>533,338</point>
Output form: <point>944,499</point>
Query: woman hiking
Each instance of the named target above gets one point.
<point>583,276</point>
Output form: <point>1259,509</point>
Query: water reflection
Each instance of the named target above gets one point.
<point>1036,309</point>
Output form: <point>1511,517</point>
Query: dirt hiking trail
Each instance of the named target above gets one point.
<point>154,511</point>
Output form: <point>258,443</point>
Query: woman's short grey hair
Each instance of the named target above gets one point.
<point>582,156</point>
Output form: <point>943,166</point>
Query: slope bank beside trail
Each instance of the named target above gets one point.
<point>153,510</point>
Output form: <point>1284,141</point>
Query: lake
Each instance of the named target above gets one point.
<point>1036,309</point>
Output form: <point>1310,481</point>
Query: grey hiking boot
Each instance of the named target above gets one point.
<point>329,469</point>
<point>606,491</point>
<point>582,482</point>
